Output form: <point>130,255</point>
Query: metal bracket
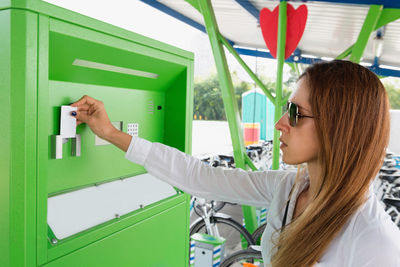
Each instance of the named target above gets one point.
<point>57,145</point>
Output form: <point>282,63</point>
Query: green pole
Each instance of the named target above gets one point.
<point>297,68</point>
<point>279,79</point>
<point>387,15</point>
<point>368,27</point>
<point>345,53</point>
<point>294,66</point>
<point>246,68</point>
<point>228,97</point>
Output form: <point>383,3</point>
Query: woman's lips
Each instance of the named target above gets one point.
<point>283,145</point>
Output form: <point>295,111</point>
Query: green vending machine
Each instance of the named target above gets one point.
<point>77,201</point>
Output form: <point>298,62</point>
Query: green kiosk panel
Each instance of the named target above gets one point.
<point>78,201</point>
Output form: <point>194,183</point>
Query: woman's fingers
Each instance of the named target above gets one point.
<point>84,100</point>
<point>93,113</point>
<point>82,117</point>
<point>83,107</point>
<point>91,109</point>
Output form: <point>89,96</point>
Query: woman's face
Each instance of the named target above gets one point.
<point>299,144</point>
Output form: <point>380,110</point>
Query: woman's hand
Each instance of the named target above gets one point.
<point>93,113</point>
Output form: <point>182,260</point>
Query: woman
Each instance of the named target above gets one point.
<point>327,215</point>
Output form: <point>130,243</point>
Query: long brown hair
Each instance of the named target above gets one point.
<point>351,112</point>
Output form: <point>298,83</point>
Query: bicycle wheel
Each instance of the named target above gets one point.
<point>258,233</point>
<point>228,229</point>
<point>247,257</point>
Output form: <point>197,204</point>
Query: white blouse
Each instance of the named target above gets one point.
<point>369,238</point>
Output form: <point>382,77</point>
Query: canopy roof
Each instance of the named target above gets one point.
<point>332,27</point>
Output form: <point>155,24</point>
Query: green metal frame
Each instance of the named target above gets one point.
<point>279,79</point>
<point>368,27</point>
<point>228,96</point>
<point>379,18</point>
<point>232,113</point>
<point>247,68</point>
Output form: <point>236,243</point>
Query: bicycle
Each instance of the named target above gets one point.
<point>393,209</point>
<point>217,224</point>
<point>387,186</point>
<point>221,225</point>
<point>250,257</point>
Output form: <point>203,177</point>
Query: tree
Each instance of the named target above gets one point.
<point>393,94</point>
<point>208,101</point>
<point>208,97</point>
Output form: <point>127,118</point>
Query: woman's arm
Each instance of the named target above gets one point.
<point>196,178</point>
<point>179,169</point>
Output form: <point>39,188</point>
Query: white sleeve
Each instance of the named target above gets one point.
<point>377,246</point>
<point>196,178</point>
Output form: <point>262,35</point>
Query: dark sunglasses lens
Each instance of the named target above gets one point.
<point>292,111</point>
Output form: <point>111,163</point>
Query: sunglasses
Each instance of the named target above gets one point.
<point>293,112</point>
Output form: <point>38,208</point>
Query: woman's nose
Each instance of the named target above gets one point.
<point>283,123</point>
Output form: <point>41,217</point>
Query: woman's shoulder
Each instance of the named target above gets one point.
<point>370,238</point>
<point>283,182</point>
<point>372,224</point>
<point>285,178</point>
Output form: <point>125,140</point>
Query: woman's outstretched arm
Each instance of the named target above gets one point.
<point>179,169</point>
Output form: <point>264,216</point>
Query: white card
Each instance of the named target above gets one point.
<point>67,122</point>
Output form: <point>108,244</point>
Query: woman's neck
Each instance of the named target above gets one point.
<point>314,173</point>
<point>307,195</point>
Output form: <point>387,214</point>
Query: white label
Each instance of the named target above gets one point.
<point>67,122</point>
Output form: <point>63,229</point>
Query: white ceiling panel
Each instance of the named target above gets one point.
<point>331,28</point>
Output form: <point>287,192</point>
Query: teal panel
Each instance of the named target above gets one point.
<point>254,109</point>
<point>262,116</point>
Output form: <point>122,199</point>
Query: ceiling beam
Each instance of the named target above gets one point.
<point>264,54</point>
<point>384,3</point>
<point>249,7</point>
<point>175,14</point>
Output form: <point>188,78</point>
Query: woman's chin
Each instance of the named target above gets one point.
<point>291,161</point>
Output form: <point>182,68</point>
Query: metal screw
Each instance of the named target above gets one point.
<point>141,206</point>
<point>54,241</point>
<point>117,216</point>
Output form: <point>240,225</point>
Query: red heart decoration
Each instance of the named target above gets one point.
<point>296,23</point>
